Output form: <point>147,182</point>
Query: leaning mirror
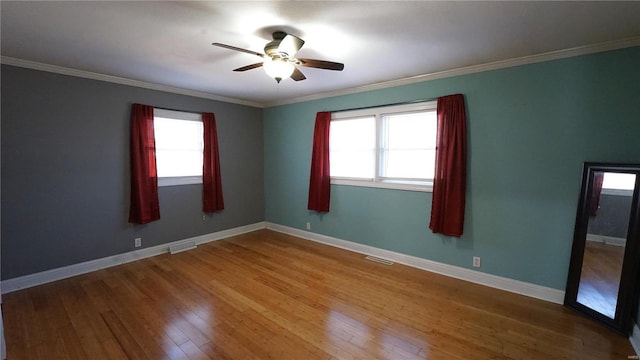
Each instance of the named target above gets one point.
<point>605,253</point>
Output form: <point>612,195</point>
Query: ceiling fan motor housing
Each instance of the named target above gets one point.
<point>271,48</point>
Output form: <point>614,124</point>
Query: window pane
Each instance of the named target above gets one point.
<point>408,164</point>
<point>179,147</point>
<point>179,163</point>
<point>619,181</point>
<point>352,148</point>
<point>408,145</point>
<point>174,134</point>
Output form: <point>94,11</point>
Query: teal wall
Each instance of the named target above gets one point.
<point>530,128</point>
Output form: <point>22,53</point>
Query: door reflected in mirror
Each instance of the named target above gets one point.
<point>610,204</point>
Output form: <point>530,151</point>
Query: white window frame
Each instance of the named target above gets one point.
<point>178,115</point>
<point>379,181</point>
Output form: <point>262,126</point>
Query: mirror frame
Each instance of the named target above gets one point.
<point>622,321</point>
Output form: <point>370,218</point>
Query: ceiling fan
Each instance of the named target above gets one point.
<point>279,58</point>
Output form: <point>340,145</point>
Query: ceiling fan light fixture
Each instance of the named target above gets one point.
<point>279,61</point>
<point>278,68</point>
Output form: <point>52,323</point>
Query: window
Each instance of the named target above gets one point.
<point>389,147</point>
<point>179,147</point>
<point>618,184</point>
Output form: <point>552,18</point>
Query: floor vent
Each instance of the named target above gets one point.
<point>184,246</point>
<point>379,260</point>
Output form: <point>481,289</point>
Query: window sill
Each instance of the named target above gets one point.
<point>395,185</point>
<point>179,180</point>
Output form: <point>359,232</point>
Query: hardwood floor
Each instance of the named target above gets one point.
<point>265,295</point>
<point>600,278</point>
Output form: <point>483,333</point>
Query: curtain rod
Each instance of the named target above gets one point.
<point>383,105</point>
<point>170,109</point>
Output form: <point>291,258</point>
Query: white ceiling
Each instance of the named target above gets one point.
<point>169,43</point>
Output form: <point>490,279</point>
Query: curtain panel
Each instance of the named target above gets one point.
<point>596,190</point>
<point>449,183</point>
<point>211,180</point>
<point>144,206</point>
<point>320,181</point>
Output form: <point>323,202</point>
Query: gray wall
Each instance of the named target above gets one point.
<point>65,171</point>
<point>612,217</point>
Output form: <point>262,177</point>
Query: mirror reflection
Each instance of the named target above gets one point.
<point>609,207</point>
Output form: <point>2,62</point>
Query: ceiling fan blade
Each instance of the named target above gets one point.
<point>321,64</point>
<point>297,75</point>
<point>290,45</point>
<point>249,67</point>
<point>238,49</point>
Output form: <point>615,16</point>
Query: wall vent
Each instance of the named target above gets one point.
<point>379,260</point>
<point>183,246</point>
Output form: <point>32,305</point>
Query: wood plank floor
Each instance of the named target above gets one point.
<point>265,295</point>
<point>600,278</point>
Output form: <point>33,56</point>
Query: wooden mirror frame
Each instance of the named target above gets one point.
<point>627,290</point>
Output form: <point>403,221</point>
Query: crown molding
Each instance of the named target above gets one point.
<point>122,81</point>
<point>502,64</point>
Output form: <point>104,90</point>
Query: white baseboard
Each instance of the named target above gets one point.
<point>634,339</point>
<point>27,281</point>
<point>498,282</point>
<point>515,286</point>
<point>607,240</point>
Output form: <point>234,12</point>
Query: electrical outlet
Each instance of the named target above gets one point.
<point>204,217</point>
<point>476,261</point>
<point>308,226</point>
<point>137,242</point>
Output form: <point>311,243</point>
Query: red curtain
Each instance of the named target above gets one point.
<point>211,179</point>
<point>320,181</point>
<point>449,183</point>
<point>144,206</point>
<point>596,190</point>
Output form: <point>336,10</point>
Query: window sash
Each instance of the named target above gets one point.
<point>391,145</point>
<point>194,150</point>
<point>381,151</point>
<point>361,150</point>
